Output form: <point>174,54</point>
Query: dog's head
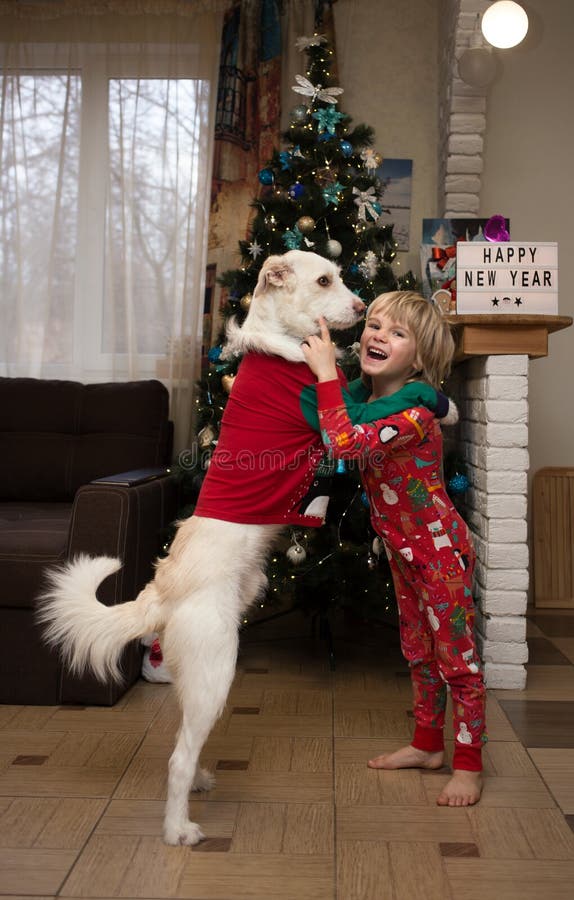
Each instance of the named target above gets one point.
<point>296,288</point>
<point>292,291</point>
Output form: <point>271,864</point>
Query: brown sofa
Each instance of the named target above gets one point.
<point>56,438</point>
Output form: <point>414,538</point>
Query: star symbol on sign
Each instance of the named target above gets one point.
<point>495,301</point>
<point>518,301</point>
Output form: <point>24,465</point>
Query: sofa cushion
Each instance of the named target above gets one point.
<point>32,536</point>
<point>57,435</point>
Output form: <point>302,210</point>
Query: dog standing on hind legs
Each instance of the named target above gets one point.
<point>261,478</point>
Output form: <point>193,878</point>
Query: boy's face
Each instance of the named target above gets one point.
<point>388,353</point>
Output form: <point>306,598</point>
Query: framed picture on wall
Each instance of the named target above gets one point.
<point>396,176</point>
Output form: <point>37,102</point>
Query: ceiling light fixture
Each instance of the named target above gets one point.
<point>504,24</point>
<point>477,65</point>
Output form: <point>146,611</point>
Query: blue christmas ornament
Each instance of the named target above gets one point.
<point>365,499</point>
<point>296,191</point>
<point>214,353</point>
<point>266,176</point>
<point>346,148</point>
<point>341,467</point>
<point>458,484</point>
<point>293,239</point>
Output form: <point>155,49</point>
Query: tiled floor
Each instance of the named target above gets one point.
<point>296,814</point>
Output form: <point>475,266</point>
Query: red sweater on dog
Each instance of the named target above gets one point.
<point>263,469</point>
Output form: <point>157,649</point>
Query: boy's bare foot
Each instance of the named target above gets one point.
<point>463,789</point>
<point>408,758</point>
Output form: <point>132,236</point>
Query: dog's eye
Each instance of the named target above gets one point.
<point>324,281</point>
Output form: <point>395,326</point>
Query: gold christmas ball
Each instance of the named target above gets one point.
<point>306,224</point>
<point>245,301</point>
<point>378,158</point>
<point>227,383</point>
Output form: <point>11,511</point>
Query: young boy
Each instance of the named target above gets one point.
<point>428,544</point>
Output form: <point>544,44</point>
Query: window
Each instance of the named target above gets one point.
<point>105,191</point>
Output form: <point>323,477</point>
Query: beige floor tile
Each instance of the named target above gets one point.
<point>359,785</point>
<point>557,769</point>
<point>295,787</point>
<point>257,877</point>
<point>417,871</point>
<point>393,823</point>
<point>312,754</point>
<point>547,833</point>
<point>271,754</point>
<point>102,866</point>
<point>30,871</point>
<point>155,870</point>
<point>49,823</point>
<point>259,828</point>
<point>363,871</point>
<point>521,879</point>
<point>145,818</point>
<point>507,758</point>
<point>62,781</point>
<point>566,646</point>
<point>498,834</point>
<point>20,743</point>
<point>544,683</point>
<point>293,726</point>
<point>145,779</point>
<point>309,829</point>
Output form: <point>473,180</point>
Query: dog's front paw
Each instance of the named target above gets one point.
<point>203,781</point>
<point>185,834</point>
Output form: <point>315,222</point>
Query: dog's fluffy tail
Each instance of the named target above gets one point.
<point>89,634</point>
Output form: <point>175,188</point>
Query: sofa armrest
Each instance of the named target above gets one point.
<point>133,477</point>
<point>124,522</point>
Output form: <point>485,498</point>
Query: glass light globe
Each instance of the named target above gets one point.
<point>477,66</point>
<point>504,24</point>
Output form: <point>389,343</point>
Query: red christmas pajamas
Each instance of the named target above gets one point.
<point>431,557</point>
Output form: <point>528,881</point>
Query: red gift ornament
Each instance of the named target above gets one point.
<point>441,255</point>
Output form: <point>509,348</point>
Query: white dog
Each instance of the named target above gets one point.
<point>260,479</point>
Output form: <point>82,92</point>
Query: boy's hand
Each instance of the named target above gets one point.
<point>319,352</point>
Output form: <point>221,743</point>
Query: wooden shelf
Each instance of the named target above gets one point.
<point>495,335</point>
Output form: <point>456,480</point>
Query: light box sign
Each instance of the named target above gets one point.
<point>506,278</point>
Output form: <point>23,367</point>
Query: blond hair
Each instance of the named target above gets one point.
<point>434,341</point>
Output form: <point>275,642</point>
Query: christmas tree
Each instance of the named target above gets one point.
<point>322,193</point>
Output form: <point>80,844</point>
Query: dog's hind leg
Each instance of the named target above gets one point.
<point>205,647</point>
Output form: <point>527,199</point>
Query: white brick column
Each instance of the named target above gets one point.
<point>462,116</point>
<point>492,393</point>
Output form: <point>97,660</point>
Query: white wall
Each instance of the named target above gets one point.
<point>529,176</point>
<point>387,55</point>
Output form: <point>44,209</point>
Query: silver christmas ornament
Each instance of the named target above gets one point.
<point>334,248</point>
<point>296,554</point>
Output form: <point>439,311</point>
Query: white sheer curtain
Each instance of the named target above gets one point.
<point>106,127</point>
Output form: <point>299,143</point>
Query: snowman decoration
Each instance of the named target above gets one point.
<point>467,655</point>
<point>389,496</point>
<point>464,736</point>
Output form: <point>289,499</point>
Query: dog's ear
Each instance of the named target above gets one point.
<point>275,272</point>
